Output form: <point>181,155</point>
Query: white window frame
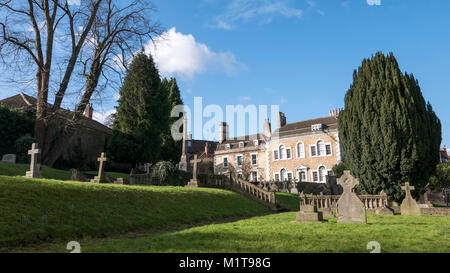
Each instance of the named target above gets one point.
<point>312,176</point>
<point>297,152</point>
<point>241,144</point>
<point>290,152</point>
<point>280,153</point>
<point>331,149</point>
<point>253,179</point>
<point>286,171</point>
<point>275,176</point>
<point>223,162</point>
<point>310,150</point>
<point>256,142</point>
<point>251,159</point>
<point>325,175</point>
<point>302,169</point>
<point>237,161</point>
<point>274,157</point>
<point>292,175</point>
<point>228,146</point>
<point>316,145</point>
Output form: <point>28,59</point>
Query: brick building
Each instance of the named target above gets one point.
<point>301,151</point>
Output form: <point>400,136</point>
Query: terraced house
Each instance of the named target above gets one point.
<point>303,151</point>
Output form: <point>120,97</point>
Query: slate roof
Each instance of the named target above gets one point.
<point>248,141</point>
<point>198,147</point>
<point>304,127</point>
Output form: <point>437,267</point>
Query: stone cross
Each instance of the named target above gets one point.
<point>183,165</point>
<point>409,206</point>
<point>350,208</point>
<point>35,171</point>
<point>194,183</point>
<point>101,172</point>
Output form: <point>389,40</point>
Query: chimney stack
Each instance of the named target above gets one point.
<point>281,119</point>
<point>445,149</point>
<point>223,132</point>
<point>267,129</point>
<point>89,111</point>
<point>206,149</point>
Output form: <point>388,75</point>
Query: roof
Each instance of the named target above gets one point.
<point>248,141</point>
<point>304,127</point>
<point>23,101</point>
<point>198,147</point>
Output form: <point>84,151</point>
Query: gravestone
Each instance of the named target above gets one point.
<point>119,181</point>
<point>327,212</point>
<point>9,158</point>
<point>309,213</point>
<point>384,210</point>
<point>35,168</point>
<point>100,178</point>
<point>78,176</point>
<point>194,182</point>
<point>350,208</point>
<point>294,189</point>
<point>409,206</point>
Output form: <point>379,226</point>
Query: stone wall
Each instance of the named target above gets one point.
<point>436,211</point>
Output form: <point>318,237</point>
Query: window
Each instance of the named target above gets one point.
<point>288,153</point>
<point>225,162</point>
<point>320,148</point>
<point>241,144</point>
<point>254,159</point>
<point>255,176</point>
<point>277,177</point>
<point>300,150</point>
<point>256,142</point>
<point>315,176</point>
<point>302,176</point>
<point>289,176</point>
<point>282,152</point>
<point>227,146</point>
<point>322,173</point>
<point>313,151</point>
<point>275,155</point>
<point>330,173</point>
<point>239,160</point>
<point>328,149</point>
<point>316,127</point>
<point>283,175</point>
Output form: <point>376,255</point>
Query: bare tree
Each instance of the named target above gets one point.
<point>95,36</point>
<point>119,31</point>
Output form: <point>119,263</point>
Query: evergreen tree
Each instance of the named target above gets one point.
<point>172,149</point>
<point>141,115</point>
<point>388,134</point>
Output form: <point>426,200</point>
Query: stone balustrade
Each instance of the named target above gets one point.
<point>330,201</point>
<point>261,194</point>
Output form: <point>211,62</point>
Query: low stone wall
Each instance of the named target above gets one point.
<point>436,211</point>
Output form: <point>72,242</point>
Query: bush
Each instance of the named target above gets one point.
<point>339,169</point>
<point>164,170</point>
<point>22,145</point>
<point>13,124</point>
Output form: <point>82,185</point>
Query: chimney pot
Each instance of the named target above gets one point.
<point>281,119</point>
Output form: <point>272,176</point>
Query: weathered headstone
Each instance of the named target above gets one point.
<point>193,183</point>
<point>35,168</point>
<point>327,212</point>
<point>409,206</point>
<point>350,208</point>
<point>9,158</point>
<point>119,181</point>
<point>309,213</point>
<point>78,176</point>
<point>294,189</point>
<point>100,178</point>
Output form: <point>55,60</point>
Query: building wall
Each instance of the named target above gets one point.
<point>307,162</point>
<point>246,154</point>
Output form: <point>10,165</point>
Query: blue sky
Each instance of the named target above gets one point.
<point>298,54</point>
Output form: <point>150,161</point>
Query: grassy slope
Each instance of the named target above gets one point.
<point>35,210</point>
<point>279,233</point>
<point>20,170</point>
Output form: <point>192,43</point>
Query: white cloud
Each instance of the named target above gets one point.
<point>262,10</point>
<point>374,2</point>
<point>178,53</point>
<point>243,99</point>
<point>102,116</point>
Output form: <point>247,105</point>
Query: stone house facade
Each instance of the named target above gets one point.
<point>303,151</point>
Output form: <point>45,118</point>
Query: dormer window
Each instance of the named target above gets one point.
<point>227,146</point>
<point>316,127</point>
<point>241,144</point>
<point>256,142</point>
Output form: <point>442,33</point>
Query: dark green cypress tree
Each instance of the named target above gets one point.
<point>388,134</point>
<point>172,149</point>
<point>141,115</point>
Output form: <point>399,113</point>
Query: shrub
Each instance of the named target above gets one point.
<point>22,145</point>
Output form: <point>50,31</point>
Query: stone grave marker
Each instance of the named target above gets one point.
<point>384,210</point>
<point>9,158</point>
<point>309,213</point>
<point>409,206</point>
<point>119,181</point>
<point>78,176</point>
<point>194,182</point>
<point>100,178</point>
<point>350,208</point>
<point>35,168</point>
<point>294,189</point>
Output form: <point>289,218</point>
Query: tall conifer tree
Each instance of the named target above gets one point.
<point>389,134</point>
<point>141,115</point>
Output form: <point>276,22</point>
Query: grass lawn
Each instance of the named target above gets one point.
<point>40,210</point>
<point>278,233</point>
<point>18,169</point>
